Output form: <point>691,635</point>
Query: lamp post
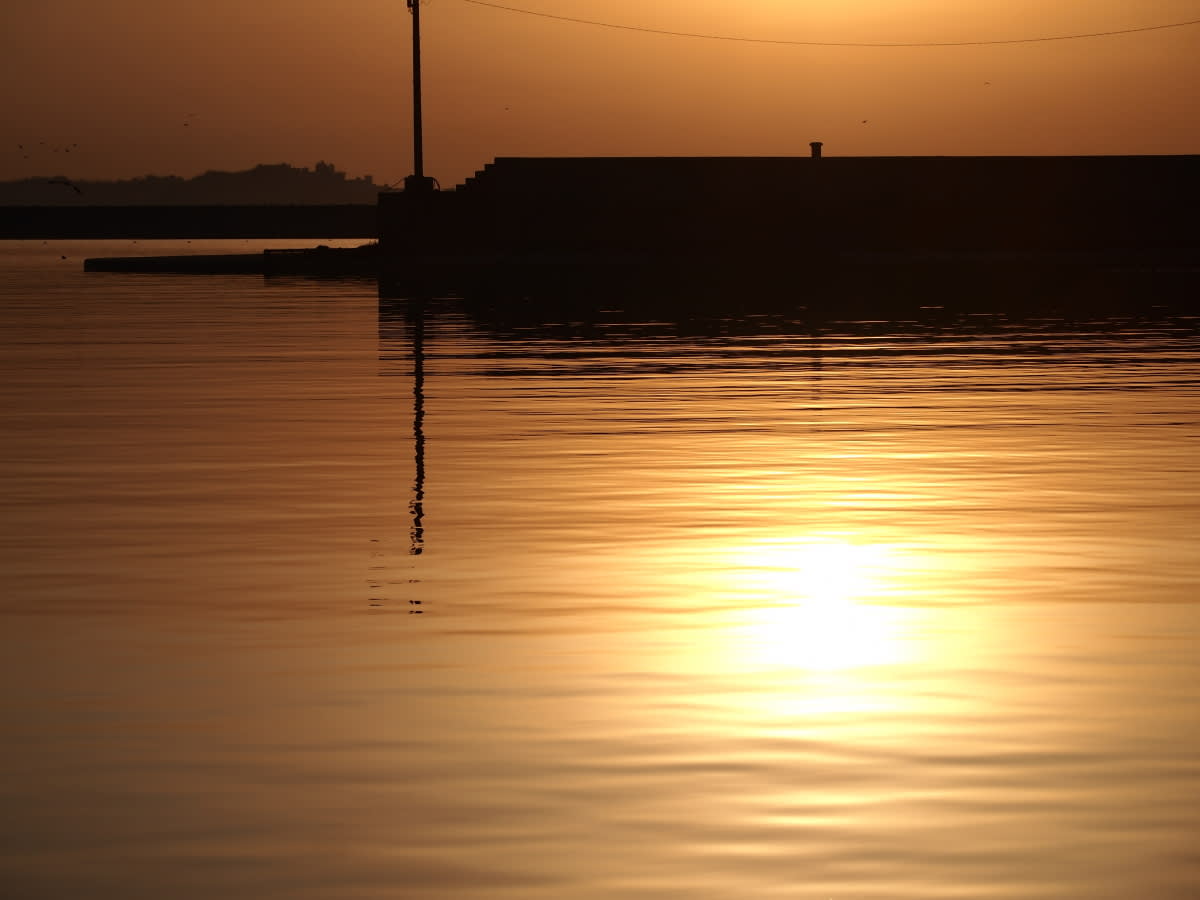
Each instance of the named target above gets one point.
<point>417,180</point>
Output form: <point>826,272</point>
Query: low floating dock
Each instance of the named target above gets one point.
<point>363,261</point>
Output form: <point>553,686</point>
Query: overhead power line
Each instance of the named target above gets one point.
<point>751,40</point>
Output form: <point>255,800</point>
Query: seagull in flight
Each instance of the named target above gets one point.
<point>66,182</point>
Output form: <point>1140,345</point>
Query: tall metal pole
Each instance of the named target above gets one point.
<point>414,7</point>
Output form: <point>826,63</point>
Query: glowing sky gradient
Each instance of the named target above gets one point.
<point>142,86</point>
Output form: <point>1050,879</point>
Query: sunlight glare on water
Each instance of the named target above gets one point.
<point>815,605</point>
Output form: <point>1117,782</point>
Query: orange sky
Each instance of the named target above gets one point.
<point>146,86</point>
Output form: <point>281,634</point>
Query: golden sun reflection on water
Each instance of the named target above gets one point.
<point>817,606</point>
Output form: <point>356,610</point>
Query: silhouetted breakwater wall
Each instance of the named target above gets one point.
<point>150,222</point>
<point>869,233</point>
<point>803,209</point>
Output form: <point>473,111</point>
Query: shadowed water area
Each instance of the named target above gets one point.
<point>311,596</point>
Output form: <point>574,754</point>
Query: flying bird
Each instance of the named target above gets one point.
<point>66,182</point>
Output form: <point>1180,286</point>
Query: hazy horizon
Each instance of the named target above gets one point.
<point>138,88</point>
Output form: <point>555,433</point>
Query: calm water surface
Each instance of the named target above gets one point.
<point>306,598</point>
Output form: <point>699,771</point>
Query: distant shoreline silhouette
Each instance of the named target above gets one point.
<point>275,184</point>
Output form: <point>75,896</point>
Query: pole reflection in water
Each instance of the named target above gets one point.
<point>415,311</point>
<point>402,325</point>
